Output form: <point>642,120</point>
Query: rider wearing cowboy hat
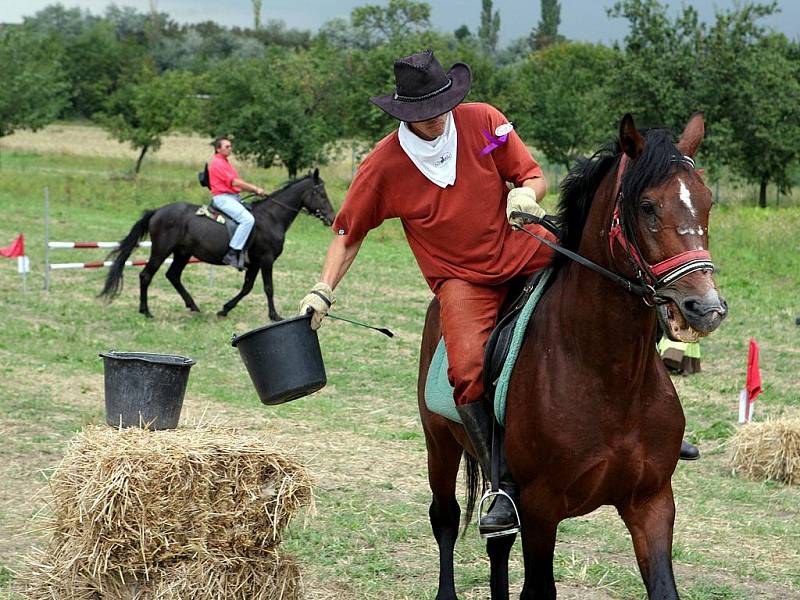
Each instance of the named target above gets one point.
<point>444,173</point>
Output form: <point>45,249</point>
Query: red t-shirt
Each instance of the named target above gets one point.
<point>460,231</point>
<point>221,175</point>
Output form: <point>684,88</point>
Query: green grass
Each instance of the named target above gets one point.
<point>734,539</point>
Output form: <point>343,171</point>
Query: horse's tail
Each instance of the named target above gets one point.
<point>475,486</point>
<point>139,231</point>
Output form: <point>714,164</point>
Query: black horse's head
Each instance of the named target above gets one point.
<point>315,199</point>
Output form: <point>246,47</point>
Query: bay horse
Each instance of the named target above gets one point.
<point>592,417</point>
<point>176,229</point>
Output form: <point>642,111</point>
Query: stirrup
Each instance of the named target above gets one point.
<point>489,494</point>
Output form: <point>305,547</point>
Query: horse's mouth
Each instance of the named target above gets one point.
<point>675,325</point>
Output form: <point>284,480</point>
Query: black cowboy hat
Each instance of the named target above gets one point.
<point>423,89</point>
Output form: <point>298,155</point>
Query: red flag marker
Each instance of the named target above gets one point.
<point>15,248</point>
<point>753,373</point>
<point>752,388</point>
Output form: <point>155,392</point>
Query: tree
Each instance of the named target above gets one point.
<point>546,32</point>
<point>399,18</point>
<point>462,33</point>
<point>555,97</point>
<point>55,19</point>
<point>657,75</point>
<point>257,14</point>
<point>278,109</point>
<point>34,88</point>
<point>143,111</point>
<point>489,29</point>
<point>751,84</point>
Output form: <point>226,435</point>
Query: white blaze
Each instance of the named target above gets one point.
<point>686,198</point>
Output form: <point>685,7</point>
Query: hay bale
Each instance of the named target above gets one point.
<point>266,577</point>
<point>126,500</point>
<point>768,451</point>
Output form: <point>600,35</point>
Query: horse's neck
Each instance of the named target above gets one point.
<point>606,322</point>
<point>284,206</point>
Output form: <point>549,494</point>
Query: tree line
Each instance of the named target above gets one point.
<point>288,96</point>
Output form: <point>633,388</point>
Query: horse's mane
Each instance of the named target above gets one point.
<point>284,186</point>
<point>656,163</point>
<point>578,190</point>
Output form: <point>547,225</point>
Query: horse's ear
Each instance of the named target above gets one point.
<point>692,135</point>
<point>316,175</point>
<point>630,139</point>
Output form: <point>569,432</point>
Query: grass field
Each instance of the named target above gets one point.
<point>360,436</point>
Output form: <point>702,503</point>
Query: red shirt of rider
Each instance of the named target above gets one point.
<point>457,232</point>
<point>221,175</point>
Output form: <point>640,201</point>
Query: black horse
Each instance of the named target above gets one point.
<point>176,229</point>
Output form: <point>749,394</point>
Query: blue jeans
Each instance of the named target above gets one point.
<point>232,206</point>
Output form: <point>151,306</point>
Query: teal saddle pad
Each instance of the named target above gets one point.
<point>439,392</point>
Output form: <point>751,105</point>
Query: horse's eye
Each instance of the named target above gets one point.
<point>648,208</point>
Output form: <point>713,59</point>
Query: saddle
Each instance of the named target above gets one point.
<point>500,354</point>
<point>210,211</point>
<point>499,342</point>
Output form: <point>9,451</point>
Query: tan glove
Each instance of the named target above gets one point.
<point>522,199</point>
<point>319,299</point>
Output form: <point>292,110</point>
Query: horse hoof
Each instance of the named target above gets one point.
<point>222,313</point>
<point>193,309</point>
<point>147,314</point>
<point>275,317</point>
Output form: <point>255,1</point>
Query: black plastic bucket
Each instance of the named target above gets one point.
<point>144,389</point>
<point>283,359</point>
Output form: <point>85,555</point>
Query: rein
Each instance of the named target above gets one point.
<point>634,288</point>
<point>652,278</point>
<point>317,213</point>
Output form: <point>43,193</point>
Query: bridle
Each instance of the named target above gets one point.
<point>666,272</point>
<point>316,190</point>
<point>651,279</point>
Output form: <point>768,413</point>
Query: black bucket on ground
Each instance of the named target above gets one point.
<point>283,359</point>
<point>144,389</point>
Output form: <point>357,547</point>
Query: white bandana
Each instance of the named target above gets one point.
<point>436,159</point>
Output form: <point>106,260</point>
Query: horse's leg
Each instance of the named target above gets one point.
<point>249,280</point>
<point>174,275</point>
<point>266,275</point>
<point>538,547</point>
<point>444,456</point>
<point>650,524</point>
<point>146,276</point>
<point>498,550</point>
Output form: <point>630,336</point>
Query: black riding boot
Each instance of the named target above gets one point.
<point>478,421</point>
<point>234,258</point>
<point>688,451</point>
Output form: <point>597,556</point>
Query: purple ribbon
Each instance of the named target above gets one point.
<point>494,142</point>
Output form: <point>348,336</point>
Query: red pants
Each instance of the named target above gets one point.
<point>468,313</point>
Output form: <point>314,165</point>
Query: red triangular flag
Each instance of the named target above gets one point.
<point>15,248</point>
<point>753,372</point>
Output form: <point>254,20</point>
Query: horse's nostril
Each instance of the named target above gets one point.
<point>697,308</point>
<point>691,306</point>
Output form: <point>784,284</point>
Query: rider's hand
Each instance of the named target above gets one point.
<point>522,199</point>
<point>319,299</point>
<point>260,191</point>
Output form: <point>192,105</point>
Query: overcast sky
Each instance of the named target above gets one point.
<point>580,19</point>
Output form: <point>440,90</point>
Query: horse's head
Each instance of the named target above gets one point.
<point>664,207</point>
<point>315,199</point>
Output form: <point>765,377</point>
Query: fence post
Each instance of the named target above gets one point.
<point>46,239</point>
